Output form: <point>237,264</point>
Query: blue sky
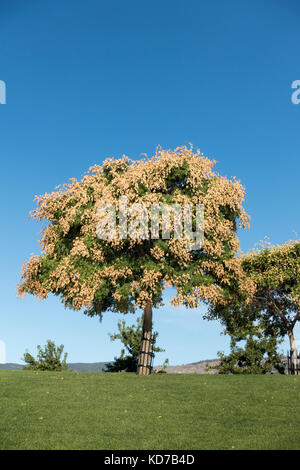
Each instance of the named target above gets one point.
<point>92,79</point>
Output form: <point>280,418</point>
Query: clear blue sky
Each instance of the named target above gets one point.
<point>87,80</point>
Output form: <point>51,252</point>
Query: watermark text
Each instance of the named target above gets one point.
<point>2,92</point>
<point>141,222</point>
<point>296,94</point>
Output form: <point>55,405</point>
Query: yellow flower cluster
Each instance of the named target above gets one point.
<point>69,239</point>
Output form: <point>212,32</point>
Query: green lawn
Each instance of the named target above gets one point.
<point>48,410</point>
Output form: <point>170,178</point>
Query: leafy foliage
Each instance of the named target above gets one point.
<point>275,271</point>
<point>270,313</point>
<point>131,337</point>
<point>121,274</point>
<point>258,355</point>
<point>48,358</point>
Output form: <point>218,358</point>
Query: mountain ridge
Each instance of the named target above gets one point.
<point>198,367</point>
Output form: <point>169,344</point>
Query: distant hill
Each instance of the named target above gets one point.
<point>11,366</point>
<point>85,367</point>
<point>195,367</point>
<point>76,366</point>
<point>199,367</point>
<point>192,368</point>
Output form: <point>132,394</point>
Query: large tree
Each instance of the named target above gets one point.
<point>275,302</point>
<point>120,273</point>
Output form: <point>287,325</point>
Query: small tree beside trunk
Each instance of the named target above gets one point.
<point>130,337</point>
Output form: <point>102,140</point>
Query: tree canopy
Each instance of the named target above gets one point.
<point>273,309</point>
<point>121,274</point>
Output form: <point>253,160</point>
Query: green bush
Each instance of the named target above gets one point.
<point>47,359</point>
<point>258,355</point>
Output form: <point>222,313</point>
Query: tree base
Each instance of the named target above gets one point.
<point>145,357</point>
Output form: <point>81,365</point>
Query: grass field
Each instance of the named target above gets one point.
<point>48,410</point>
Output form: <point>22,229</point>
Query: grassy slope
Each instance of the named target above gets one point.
<point>123,411</point>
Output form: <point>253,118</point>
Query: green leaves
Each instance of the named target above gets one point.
<point>177,176</point>
<point>269,315</point>
<point>95,274</point>
<point>48,358</point>
<point>130,337</point>
<point>258,355</point>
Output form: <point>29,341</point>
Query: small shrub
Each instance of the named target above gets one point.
<point>47,359</point>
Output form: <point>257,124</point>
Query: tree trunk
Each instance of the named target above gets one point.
<point>144,361</point>
<point>294,369</point>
